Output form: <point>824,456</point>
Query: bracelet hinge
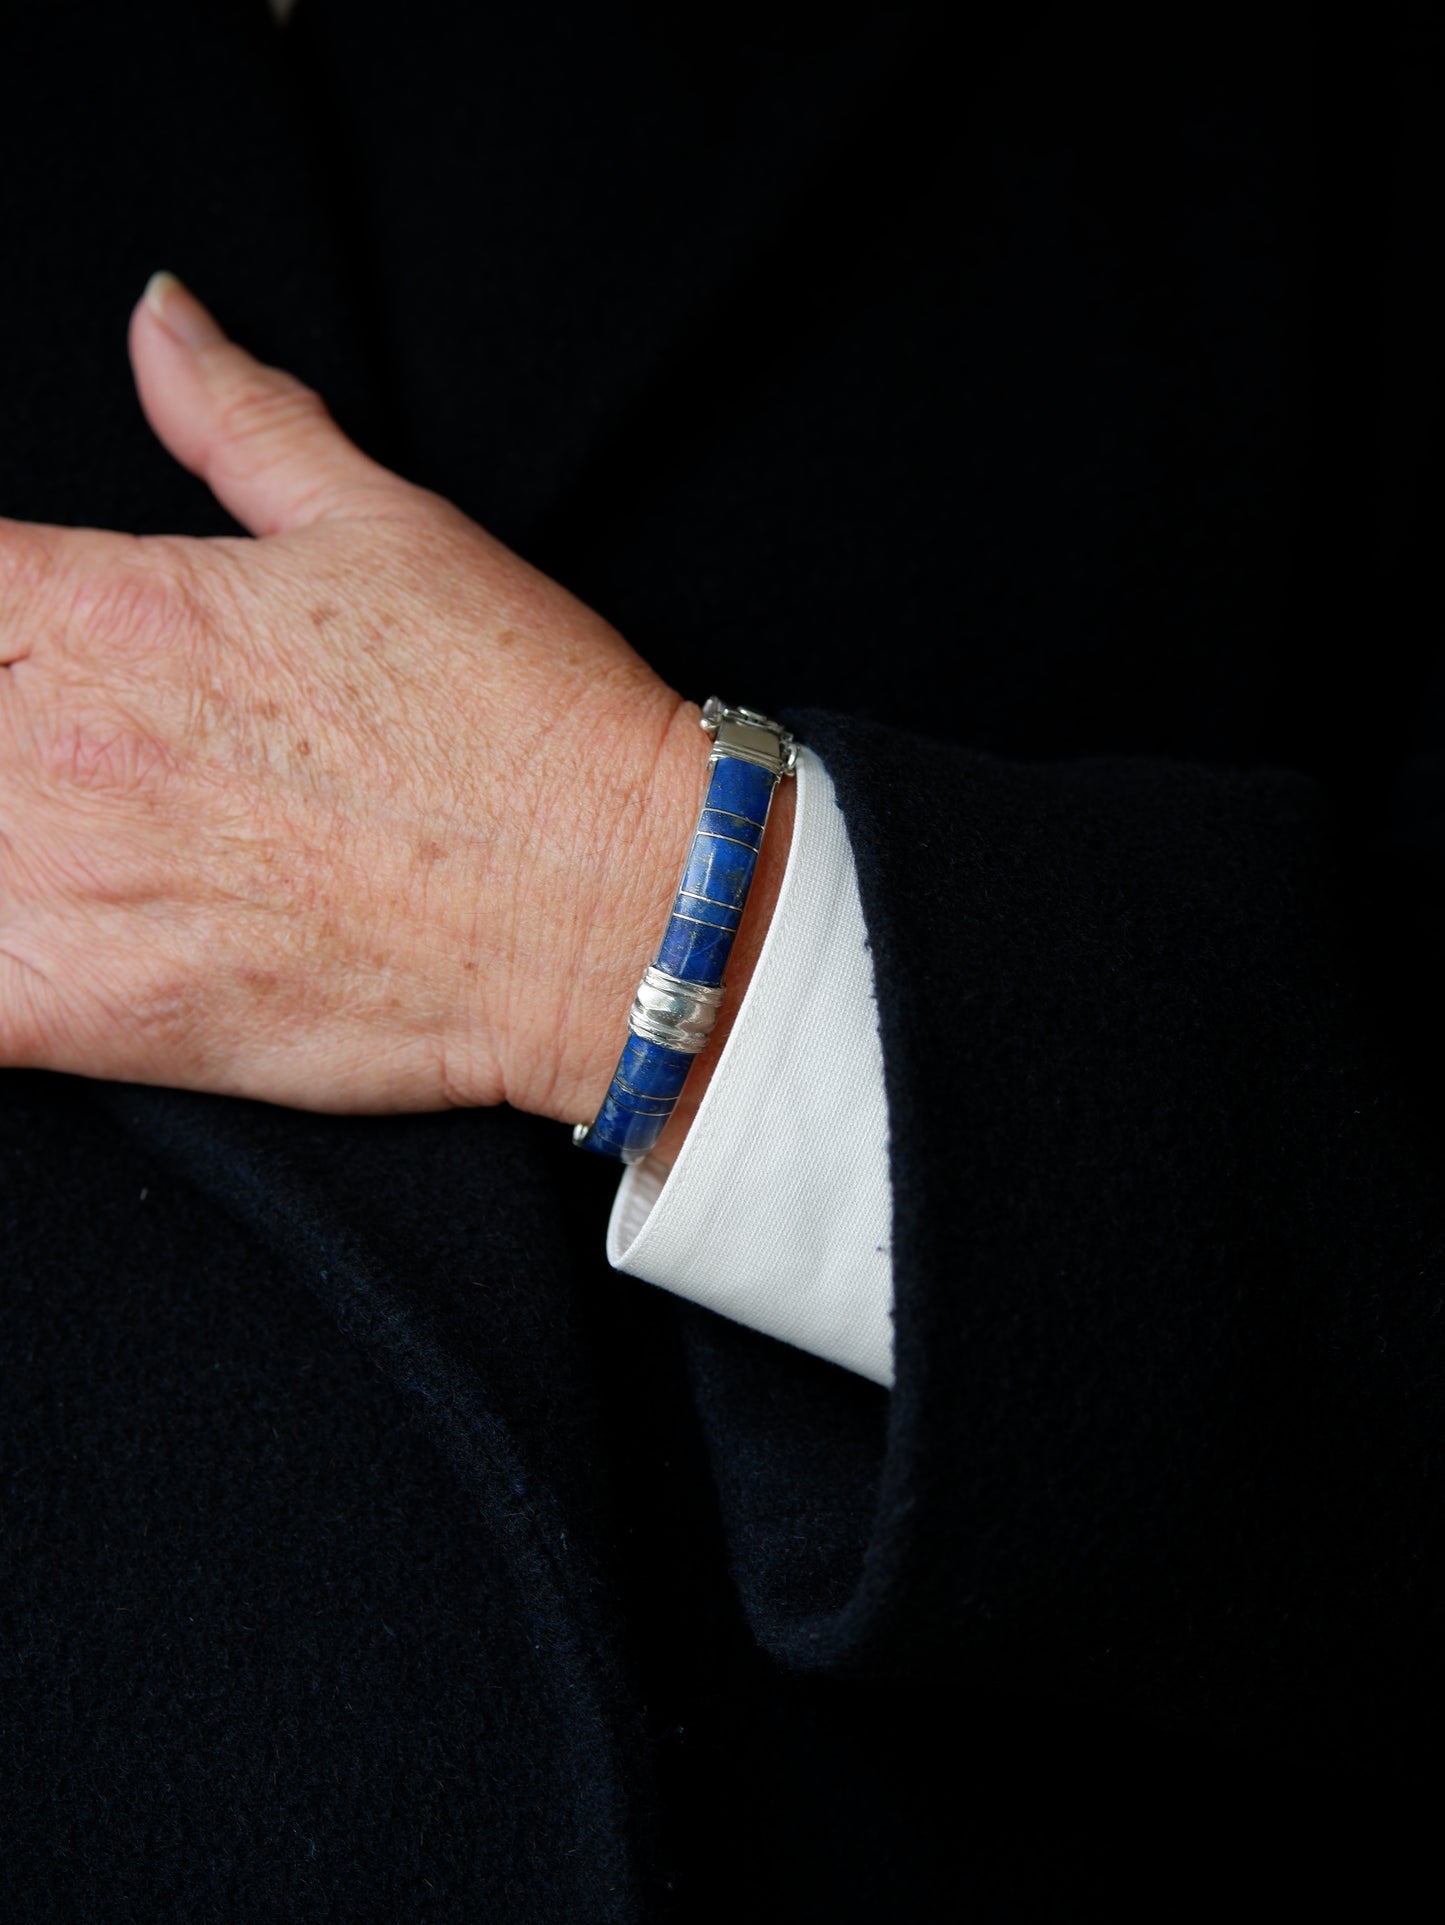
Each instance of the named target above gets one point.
<point>742,735</point>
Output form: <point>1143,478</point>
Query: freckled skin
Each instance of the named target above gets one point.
<point>363,813</point>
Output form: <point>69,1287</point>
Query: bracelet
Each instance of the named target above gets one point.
<point>682,988</point>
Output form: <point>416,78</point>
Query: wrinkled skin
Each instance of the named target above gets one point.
<point>364,814</point>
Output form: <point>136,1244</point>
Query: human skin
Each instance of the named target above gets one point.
<point>360,813</point>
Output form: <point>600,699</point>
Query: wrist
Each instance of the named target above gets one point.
<point>591,925</point>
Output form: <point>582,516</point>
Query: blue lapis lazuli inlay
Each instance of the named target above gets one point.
<point>742,788</point>
<point>652,1071</point>
<point>707,910</point>
<point>715,882</point>
<point>642,1095</point>
<point>695,951</point>
<point>696,944</point>
<point>721,822</point>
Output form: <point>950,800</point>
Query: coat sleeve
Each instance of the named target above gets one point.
<point>1161,1051</point>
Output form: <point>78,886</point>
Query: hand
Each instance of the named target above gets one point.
<point>365,814</point>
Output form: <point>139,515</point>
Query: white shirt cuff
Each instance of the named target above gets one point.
<point>779,1210</point>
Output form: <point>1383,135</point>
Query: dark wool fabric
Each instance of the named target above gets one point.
<point>1040,407</point>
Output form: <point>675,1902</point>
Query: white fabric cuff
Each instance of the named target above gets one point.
<point>778,1212</point>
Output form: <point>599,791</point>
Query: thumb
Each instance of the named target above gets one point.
<point>261,441</point>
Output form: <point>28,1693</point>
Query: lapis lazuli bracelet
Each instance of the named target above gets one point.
<point>681,990</point>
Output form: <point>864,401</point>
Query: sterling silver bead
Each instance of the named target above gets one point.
<point>676,1014</point>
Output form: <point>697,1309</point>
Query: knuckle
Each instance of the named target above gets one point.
<point>254,410</point>
<point>133,600</point>
<point>25,560</point>
<point>26,574</point>
<point>105,756</point>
